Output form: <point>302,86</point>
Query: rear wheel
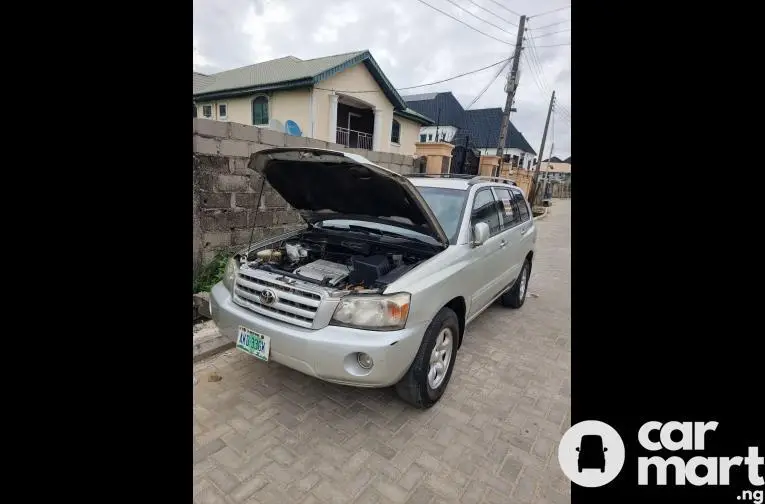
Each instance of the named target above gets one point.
<point>516,296</point>
<point>426,380</point>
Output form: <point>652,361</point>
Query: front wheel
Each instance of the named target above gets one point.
<point>426,380</point>
<point>516,296</point>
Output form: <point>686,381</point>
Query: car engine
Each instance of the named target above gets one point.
<point>340,265</point>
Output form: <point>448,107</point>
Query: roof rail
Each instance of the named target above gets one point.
<point>439,175</point>
<point>484,178</point>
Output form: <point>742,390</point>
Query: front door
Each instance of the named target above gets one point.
<point>488,257</point>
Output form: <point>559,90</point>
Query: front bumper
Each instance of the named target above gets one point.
<point>328,353</point>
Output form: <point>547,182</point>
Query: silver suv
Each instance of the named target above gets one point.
<point>378,287</point>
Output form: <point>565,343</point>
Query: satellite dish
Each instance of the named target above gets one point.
<point>276,125</point>
<point>292,129</point>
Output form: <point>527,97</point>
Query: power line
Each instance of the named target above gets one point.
<point>479,18</point>
<point>493,13</point>
<point>551,11</point>
<point>483,91</point>
<point>553,33</point>
<point>505,61</point>
<point>554,45</point>
<point>464,23</point>
<point>508,10</point>
<point>551,24</point>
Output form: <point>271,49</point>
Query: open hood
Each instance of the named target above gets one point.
<point>323,184</point>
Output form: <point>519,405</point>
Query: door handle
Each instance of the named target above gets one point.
<point>502,244</point>
<point>524,231</point>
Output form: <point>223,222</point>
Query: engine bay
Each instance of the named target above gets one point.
<point>337,263</point>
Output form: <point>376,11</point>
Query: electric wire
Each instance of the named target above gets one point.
<point>550,11</point>
<point>479,18</point>
<point>549,25</point>
<point>553,33</point>
<point>505,61</point>
<point>493,13</point>
<point>554,45</point>
<point>464,23</point>
<point>483,91</point>
<point>508,10</point>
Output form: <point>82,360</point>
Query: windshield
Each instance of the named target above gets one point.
<point>592,443</point>
<point>447,204</point>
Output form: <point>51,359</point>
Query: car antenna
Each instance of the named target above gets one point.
<point>255,215</point>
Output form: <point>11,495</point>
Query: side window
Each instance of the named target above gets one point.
<point>395,132</point>
<point>523,208</point>
<point>260,111</point>
<point>485,210</point>
<point>510,215</point>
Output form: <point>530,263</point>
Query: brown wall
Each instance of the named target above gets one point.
<point>225,190</point>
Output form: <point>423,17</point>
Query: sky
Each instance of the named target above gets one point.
<point>413,44</point>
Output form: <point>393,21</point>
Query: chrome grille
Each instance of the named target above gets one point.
<point>293,305</point>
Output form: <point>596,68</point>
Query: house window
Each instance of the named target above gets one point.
<point>222,111</point>
<point>430,137</point>
<point>207,111</point>
<point>260,110</point>
<point>423,138</point>
<point>395,132</point>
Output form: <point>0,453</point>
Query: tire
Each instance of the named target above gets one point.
<point>415,387</point>
<point>515,297</point>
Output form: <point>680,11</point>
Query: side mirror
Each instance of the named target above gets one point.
<point>577,448</point>
<point>605,449</point>
<point>480,233</point>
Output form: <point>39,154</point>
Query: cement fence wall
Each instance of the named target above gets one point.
<point>225,194</point>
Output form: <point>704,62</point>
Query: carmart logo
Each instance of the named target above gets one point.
<point>591,454</point>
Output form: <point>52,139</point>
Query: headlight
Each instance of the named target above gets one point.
<point>381,313</point>
<point>230,274</point>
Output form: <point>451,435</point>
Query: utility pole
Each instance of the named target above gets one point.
<point>510,87</point>
<point>533,192</point>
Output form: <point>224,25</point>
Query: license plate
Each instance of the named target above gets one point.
<point>255,344</point>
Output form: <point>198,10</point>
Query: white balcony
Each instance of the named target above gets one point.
<point>354,139</point>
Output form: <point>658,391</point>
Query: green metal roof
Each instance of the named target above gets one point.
<point>201,81</point>
<point>415,116</point>
<point>290,72</point>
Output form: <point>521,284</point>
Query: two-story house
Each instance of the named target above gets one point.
<point>344,99</point>
<point>479,128</point>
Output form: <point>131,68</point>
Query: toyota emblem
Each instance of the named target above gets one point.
<point>267,296</point>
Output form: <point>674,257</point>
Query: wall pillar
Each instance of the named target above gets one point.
<point>438,154</point>
<point>487,164</point>
<point>332,134</point>
<point>378,131</point>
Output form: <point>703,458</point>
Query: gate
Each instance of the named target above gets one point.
<point>464,161</point>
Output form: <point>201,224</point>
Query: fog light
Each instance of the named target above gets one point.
<point>365,360</point>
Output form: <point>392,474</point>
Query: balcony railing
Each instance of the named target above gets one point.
<point>354,139</point>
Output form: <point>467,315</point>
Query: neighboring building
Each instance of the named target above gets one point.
<point>480,128</point>
<point>555,170</point>
<point>343,99</point>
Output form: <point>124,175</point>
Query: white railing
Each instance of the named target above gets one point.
<point>354,139</point>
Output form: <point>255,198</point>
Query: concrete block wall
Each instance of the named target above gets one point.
<point>225,189</point>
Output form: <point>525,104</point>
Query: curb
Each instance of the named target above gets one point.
<point>209,341</point>
<point>540,217</point>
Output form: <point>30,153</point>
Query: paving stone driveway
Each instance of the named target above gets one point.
<point>267,434</point>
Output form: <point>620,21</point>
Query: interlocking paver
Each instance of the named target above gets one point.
<point>265,434</point>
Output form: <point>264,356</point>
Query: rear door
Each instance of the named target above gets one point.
<point>527,229</point>
<point>511,232</point>
<point>486,259</point>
